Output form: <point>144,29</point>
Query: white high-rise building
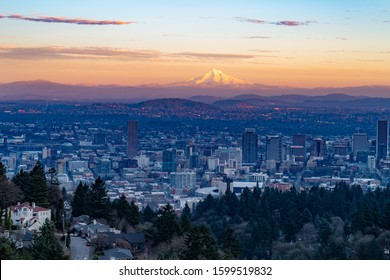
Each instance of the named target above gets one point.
<point>371,163</point>
<point>181,180</point>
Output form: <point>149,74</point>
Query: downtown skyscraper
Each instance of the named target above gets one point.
<point>249,146</point>
<point>132,139</point>
<point>382,139</point>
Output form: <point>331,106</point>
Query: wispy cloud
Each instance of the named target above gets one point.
<point>213,55</point>
<point>264,51</point>
<point>100,53</point>
<point>32,53</point>
<point>281,22</point>
<point>371,60</point>
<point>258,37</point>
<point>341,38</point>
<point>292,22</point>
<point>52,19</point>
<point>251,20</point>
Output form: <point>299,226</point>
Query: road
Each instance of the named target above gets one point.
<point>79,250</point>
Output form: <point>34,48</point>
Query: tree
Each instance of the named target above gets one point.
<point>166,225</point>
<point>7,219</point>
<point>22,180</point>
<point>40,191</point>
<point>59,215</point>
<point>46,246</point>
<point>3,172</point>
<point>134,216</point>
<point>55,193</point>
<point>185,222</point>
<point>122,207</point>
<point>148,214</point>
<point>230,244</point>
<point>385,218</point>
<point>80,203</point>
<point>10,194</point>
<point>200,244</point>
<point>33,185</point>
<point>99,202</point>
<point>368,248</point>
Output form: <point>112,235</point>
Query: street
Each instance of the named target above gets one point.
<point>79,249</point>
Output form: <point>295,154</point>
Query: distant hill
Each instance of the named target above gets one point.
<point>209,88</point>
<point>230,103</point>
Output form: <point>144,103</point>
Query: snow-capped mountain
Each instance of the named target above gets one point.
<point>216,77</point>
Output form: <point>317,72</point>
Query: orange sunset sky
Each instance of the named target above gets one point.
<point>287,43</point>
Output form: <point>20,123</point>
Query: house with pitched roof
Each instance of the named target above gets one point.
<point>26,215</point>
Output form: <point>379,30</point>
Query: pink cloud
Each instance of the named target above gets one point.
<point>251,20</point>
<point>291,22</point>
<point>81,21</point>
<point>282,22</point>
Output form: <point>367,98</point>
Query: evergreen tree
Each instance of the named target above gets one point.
<point>8,251</point>
<point>385,220</point>
<point>38,192</point>
<point>324,237</point>
<point>99,203</point>
<point>59,215</point>
<point>230,244</point>
<point>55,193</point>
<point>8,219</point>
<point>148,214</point>
<point>23,181</point>
<point>185,222</point>
<point>134,216</point>
<point>3,172</point>
<point>80,203</point>
<point>9,194</point>
<point>46,246</point>
<point>166,225</point>
<point>200,244</point>
<point>122,207</point>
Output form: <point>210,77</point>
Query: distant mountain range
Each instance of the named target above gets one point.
<point>214,87</point>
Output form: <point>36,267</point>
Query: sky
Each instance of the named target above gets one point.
<point>302,43</point>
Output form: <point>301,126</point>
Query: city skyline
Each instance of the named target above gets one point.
<point>283,43</point>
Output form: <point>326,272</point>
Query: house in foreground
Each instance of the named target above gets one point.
<point>31,216</point>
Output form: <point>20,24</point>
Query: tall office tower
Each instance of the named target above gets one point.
<point>382,139</point>
<point>249,146</point>
<point>360,143</point>
<point>132,139</point>
<point>99,138</point>
<point>299,140</point>
<point>274,148</point>
<point>169,160</point>
<point>298,147</point>
<point>319,148</point>
<point>194,160</point>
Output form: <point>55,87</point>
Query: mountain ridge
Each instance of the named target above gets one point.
<point>208,88</point>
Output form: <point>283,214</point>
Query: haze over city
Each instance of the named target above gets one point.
<point>283,43</point>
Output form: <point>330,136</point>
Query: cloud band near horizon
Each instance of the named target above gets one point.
<point>281,22</point>
<point>58,52</point>
<point>52,19</point>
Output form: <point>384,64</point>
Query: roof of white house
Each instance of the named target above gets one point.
<point>33,207</point>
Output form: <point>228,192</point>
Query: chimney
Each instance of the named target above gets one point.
<point>94,222</point>
<point>18,203</point>
<point>33,205</point>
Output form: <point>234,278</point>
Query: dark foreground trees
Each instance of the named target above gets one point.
<point>46,246</point>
